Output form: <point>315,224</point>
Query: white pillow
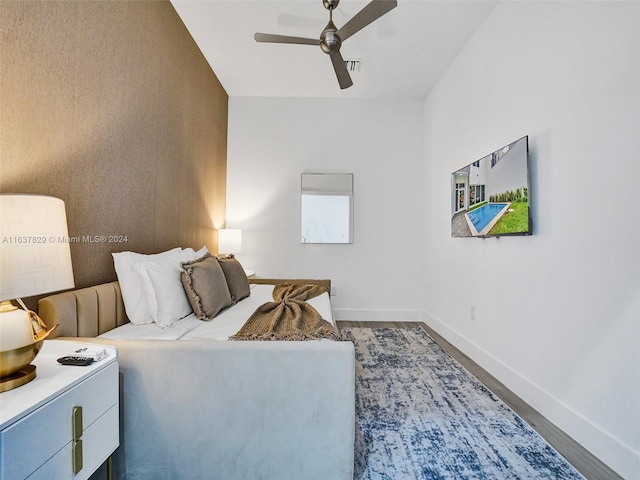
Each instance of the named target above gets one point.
<point>162,289</point>
<point>131,283</point>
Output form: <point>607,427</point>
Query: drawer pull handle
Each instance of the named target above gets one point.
<point>76,447</point>
<point>76,423</point>
<point>76,456</point>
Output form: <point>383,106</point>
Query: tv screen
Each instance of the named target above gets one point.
<point>490,197</point>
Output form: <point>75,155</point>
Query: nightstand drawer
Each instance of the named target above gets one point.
<point>22,450</point>
<point>98,441</point>
<point>56,467</point>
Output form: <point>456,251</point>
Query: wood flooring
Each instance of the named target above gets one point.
<point>586,463</point>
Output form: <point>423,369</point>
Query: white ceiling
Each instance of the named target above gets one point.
<point>404,53</point>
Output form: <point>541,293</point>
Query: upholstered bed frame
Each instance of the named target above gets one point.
<point>92,311</point>
<point>220,410</point>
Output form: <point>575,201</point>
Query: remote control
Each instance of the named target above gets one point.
<point>78,361</point>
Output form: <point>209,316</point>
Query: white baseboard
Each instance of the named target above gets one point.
<point>618,456</point>
<point>377,315</point>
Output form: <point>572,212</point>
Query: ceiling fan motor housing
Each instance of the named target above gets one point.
<point>329,40</point>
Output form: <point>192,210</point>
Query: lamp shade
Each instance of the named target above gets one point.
<point>35,257</point>
<point>229,240</point>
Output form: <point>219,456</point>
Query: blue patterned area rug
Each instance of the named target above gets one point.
<point>421,415</point>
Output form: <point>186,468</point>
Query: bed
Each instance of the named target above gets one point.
<point>195,405</point>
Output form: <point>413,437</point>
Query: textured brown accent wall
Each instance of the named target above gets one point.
<point>111,106</point>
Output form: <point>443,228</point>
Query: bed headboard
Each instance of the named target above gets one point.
<point>87,312</point>
<point>92,311</point>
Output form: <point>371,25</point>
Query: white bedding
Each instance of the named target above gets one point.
<point>225,324</point>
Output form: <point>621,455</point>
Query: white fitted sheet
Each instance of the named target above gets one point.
<point>225,324</point>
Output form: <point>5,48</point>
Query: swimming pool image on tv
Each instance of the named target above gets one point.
<point>482,219</point>
<point>490,197</point>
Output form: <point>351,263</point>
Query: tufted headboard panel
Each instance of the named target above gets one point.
<point>87,312</point>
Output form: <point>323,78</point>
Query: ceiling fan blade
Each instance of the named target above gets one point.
<point>371,12</point>
<point>344,79</point>
<point>269,38</point>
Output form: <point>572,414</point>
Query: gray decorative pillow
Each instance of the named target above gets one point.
<point>206,287</point>
<point>236,278</point>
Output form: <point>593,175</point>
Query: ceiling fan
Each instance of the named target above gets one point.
<point>331,37</point>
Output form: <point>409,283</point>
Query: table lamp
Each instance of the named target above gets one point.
<point>35,259</point>
<point>229,241</point>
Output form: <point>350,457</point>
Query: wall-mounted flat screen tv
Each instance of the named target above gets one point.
<point>490,197</point>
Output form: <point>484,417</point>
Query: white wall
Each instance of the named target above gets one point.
<point>558,313</point>
<point>272,141</point>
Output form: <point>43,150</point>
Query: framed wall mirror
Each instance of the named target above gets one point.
<point>326,208</point>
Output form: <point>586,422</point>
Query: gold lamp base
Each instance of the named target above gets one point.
<point>15,368</point>
<point>17,379</point>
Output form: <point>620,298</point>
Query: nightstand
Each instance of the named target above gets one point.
<point>63,424</point>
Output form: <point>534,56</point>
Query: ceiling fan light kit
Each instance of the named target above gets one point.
<point>331,37</point>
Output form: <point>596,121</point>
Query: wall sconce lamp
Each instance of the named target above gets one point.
<point>229,241</point>
<point>35,258</point>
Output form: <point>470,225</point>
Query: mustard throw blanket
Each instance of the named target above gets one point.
<point>288,317</point>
